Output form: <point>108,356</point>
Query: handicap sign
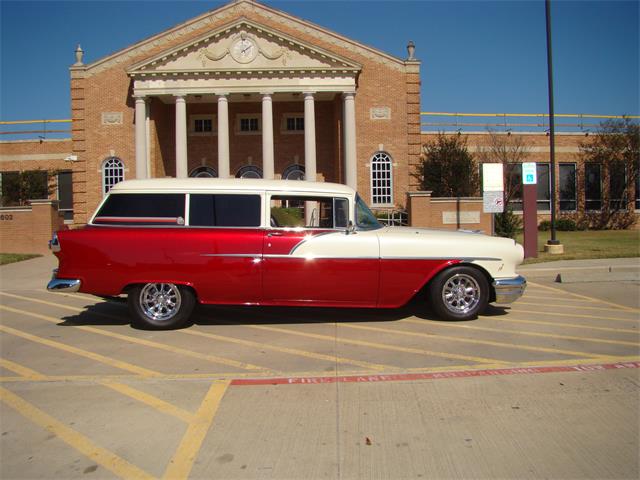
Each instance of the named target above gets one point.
<point>529,173</point>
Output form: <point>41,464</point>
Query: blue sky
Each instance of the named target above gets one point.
<point>477,56</point>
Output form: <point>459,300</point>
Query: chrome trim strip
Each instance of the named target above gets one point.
<point>63,284</point>
<point>235,255</point>
<point>462,259</point>
<point>508,290</point>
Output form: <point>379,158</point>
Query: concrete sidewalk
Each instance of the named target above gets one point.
<point>575,271</point>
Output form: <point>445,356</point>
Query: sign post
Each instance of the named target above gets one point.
<point>530,209</point>
<point>492,190</point>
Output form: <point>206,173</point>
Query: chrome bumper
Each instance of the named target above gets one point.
<point>63,284</point>
<point>508,290</point>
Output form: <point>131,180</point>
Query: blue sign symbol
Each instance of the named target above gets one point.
<point>529,178</point>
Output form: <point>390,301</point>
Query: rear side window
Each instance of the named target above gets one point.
<point>224,210</point>
<point>142,209</point>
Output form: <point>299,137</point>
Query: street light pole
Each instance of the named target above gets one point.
<point>553,245</point>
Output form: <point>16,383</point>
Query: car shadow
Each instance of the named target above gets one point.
<point>115,312</point>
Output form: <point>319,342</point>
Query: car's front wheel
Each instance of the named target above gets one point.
<point>161,305</point>
<point>459,293</point>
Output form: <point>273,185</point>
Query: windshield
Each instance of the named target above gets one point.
<point>365,219</point>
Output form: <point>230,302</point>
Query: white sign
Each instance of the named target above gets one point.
<point>492,177</point>
<point>492,202</point>
<point>529,176</point>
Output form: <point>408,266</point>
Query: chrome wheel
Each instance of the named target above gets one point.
<point>160,301</point>
<point>461,293</point>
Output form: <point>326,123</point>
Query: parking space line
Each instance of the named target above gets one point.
<point>140,341</point>
<point>182,462</point>
<point>584,297</point>
<point>82,444</point>
<point>21,370</point>
<point>83,353</point>
<point>150,400</point>
<point>560,324</point>
<point>291,351</point>
<point>469,340</point>
<point>380,346</point>
<point>520,332</point>
<point>528,295</point>
<point>555,305</point>
<point>575,315</point>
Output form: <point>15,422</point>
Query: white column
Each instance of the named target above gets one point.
<point>309,138</point>
<point>181,137</point>
<point>268,168</point>
<point>223,136</point>
<point>141,137</point>
<point>350,154</point>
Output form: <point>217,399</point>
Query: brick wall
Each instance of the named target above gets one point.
<point>29,229</point>
<point>447,213</point>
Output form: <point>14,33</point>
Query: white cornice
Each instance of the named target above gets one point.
<point>233,11</point>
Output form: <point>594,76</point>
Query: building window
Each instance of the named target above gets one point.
<point>112,173</point>
<point>65,195</point>
<point>249,171</point>
<point>204,172</point>
<point>543,187</point>
<point>201,125</point>
<point>617,184</point>
<point>248,124</point>
<point>293,172</point>
<point>19,187</point>
<point>637,203</point>
<point>381,179</point>
<point>293,123</point>
<point>592,186</point>
<point>568,187</point>
<point>514,178</point>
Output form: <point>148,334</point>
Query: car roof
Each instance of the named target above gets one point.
<point>157,185</point>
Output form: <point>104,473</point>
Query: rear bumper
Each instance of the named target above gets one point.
<point>63,284</point>
<point>508,290</point>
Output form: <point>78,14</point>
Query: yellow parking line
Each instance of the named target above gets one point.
<point>138,341</point>
<point>560,324</point>
<point>291,351</point>
<point>182,462</point>
<point>82,444</point>
<point>83,353</point>
<point>21,370</point>
<point>520,332</point>
<point>574,315</point>
<point>377,345</point>
<point>585,297</point>
<point>468,340</point>
<point>528,295</point>
<point>152,401</point>
<point>555,305</point>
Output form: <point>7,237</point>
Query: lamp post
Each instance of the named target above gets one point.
<point>553,245</point>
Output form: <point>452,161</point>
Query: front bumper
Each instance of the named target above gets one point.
<point>63,284</point>
<point>508,290</point>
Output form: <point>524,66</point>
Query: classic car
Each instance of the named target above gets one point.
<point>169,244</point>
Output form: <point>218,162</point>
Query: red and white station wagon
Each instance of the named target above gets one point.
<point>170,244</point>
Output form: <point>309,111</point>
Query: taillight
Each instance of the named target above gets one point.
<point>54,243</point>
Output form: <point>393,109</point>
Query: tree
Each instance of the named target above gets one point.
<point>616,147</point>
<point>20,187</point>
<point>447,169</point>
<point>510,151</point>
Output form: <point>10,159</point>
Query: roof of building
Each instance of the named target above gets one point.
<point>233,184</point>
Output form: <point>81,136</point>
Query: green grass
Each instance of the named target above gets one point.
<point>6,258</point>
<point>589,244</point>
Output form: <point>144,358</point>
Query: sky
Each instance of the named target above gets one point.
<point>477,56</point>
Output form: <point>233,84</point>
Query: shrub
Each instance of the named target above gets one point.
<point>562,225</point>
<point>507,224</point>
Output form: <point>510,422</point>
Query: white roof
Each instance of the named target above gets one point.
<point>232,184</point>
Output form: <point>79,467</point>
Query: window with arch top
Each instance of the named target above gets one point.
<point>112,173</point>
<point>381,179</point>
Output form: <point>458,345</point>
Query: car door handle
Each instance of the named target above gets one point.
<point>274,234</point>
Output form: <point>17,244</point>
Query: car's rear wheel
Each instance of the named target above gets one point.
<point>161,305</point>
<point>459,293</point>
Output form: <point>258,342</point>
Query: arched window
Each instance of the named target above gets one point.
<point>293,172</point>
<point>204,172</point>
<point>249,171</point>
<point>381,179</point>
<point>112,173</point>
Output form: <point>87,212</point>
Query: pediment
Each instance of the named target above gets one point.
<point>243,46</point>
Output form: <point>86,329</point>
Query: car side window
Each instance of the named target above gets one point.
<point>298,211</point>
<point>224,210</point>
<point>142,209</point>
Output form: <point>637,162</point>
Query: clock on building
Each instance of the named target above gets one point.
<point>244,49</point>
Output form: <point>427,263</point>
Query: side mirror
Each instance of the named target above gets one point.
<point>351,228</point>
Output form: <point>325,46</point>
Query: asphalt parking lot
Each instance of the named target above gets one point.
<point>546,388</point>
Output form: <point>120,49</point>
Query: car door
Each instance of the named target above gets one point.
<point>309,259</point>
